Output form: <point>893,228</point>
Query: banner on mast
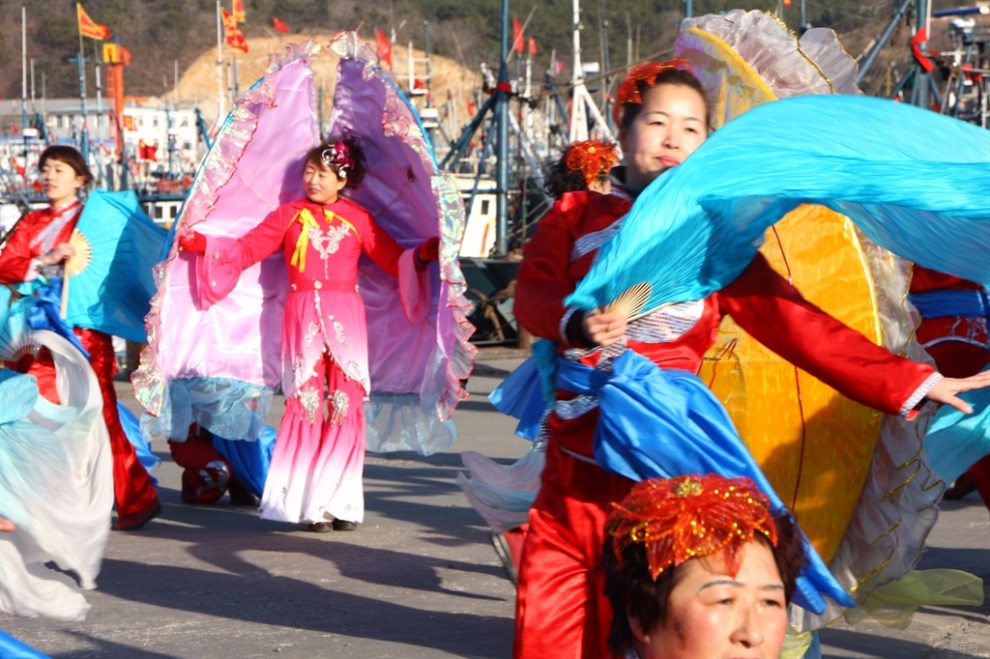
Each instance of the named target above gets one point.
<point>88,27</point>
<point>235,38</point>
<point>518,40</point>
<point>384,47</point>
<point>238,10</point>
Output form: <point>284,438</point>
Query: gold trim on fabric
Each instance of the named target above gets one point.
<point>877,570</point>
<point>797,41</point>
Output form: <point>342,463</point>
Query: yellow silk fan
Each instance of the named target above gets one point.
<point>75,264</point>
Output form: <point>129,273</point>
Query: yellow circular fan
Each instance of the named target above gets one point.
<point>83,254</point>
<point>75,264</point>
<point>813,444</point>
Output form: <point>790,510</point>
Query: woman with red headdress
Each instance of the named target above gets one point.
<point>663,116</point>
<point>503,494</point>
<point>699,566</point>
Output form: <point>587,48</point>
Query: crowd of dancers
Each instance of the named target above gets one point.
<point>643,512</point>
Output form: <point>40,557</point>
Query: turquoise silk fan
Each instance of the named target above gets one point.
<point>109,282</point>
<point>912,180</point>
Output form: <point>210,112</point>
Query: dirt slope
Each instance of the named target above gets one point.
<point>198,84</point>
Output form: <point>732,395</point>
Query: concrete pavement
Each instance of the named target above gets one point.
<point>418,579</point>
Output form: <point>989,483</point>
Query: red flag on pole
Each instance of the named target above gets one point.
<point>384,47</point>
<point>235,38</point>
<point>229,22</point>
<point>237,41</point>
<point>238,10</point>
<point>88,27</point>
<point>279,25</point>
<point>518,42</point>
<point>532,46</point>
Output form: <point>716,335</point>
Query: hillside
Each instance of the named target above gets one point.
<point>181,34</point>
<point>198,83</point>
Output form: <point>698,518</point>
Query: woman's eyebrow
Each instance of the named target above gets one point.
<point>739,584</point>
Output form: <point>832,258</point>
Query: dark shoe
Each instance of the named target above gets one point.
<point>137,520</point>
<point>321,527</point>
<point>240,495</point>
<point>963,486</point>
<point>344,525</point>
<point>504,553</point>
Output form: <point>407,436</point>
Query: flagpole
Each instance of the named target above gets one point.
<point>84,134</point>
<point>220,90</point>
<point>24,121</point>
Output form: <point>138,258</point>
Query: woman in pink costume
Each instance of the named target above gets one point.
<point>316,470</point>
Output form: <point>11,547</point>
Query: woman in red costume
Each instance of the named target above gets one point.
<point>38,247</point>
<point>316,470</point>
<point>662,114</point>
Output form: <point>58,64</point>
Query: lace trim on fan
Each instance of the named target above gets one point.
<point>590,242</point>
<point>667,324</point>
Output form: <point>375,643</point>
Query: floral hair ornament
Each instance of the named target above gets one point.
<point>646,74</point>
<point>337,156</point>
<point>592,158</point>
<point>677,519</point>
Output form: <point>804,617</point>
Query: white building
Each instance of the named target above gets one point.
<point>172,133</point>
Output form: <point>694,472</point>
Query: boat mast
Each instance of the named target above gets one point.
<point>220,90</point>
<point>502,153</point>
<point>581,101</point>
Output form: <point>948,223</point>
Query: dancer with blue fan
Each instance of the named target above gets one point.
<point>35,257</point>
<point>628,405</point>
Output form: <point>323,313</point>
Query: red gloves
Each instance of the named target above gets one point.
<point>429,250</point>
<point>192,242</point>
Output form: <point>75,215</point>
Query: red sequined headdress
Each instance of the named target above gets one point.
<point>644,73</point>
<point>677,519</point>
<point>592,158</point>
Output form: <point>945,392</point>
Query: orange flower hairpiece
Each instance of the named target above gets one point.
<point>591,158</point>
<point>677,519</point>
<point>645,73</point>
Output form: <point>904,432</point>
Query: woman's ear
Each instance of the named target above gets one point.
<point>637,629</point>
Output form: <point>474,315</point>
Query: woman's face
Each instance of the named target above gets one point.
<point>60,182</point>
<point>322,183</point>
<point>714,615</point>
<point>670,125</point>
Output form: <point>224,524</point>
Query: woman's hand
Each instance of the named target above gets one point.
<point>946,390</point>
<point>60,252</point>
<point>605,328</point>
<point>6,525</point>
<point>428,251</point>
<point>192,242</point>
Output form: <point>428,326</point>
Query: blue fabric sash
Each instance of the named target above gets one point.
<point>658,423</point>
<point>527,393</point>
<point>249,460</point>
<point>44,312</point>
<point>956,440</point>
<point>939,304</point>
